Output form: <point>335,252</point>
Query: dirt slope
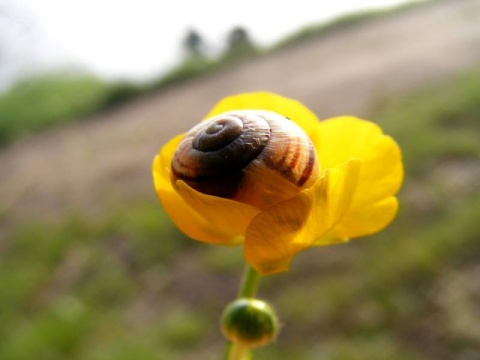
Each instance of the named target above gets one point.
<point>97,163</point>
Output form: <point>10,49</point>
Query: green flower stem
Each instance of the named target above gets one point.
<point>248,289</point>
<point>249,284</point>
<point>237,352</point>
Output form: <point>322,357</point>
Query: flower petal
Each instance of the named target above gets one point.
<point>182,214</point>
<point>373,207</point>
<point>228,217</point>
<point>283,230</point>
<point>370,219</point>
<point>293,109</point>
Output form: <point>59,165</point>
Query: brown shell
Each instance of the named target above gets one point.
<point>252,156</point>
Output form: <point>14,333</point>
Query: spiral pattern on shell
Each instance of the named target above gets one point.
<point>253,156</point>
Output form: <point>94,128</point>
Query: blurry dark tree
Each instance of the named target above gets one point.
<point>196,61</point>
<point>239,44</point>
<point>194,45</point>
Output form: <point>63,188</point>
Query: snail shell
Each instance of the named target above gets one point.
<point>252,156</point>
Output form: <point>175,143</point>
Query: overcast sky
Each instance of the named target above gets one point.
<point>136,39</point>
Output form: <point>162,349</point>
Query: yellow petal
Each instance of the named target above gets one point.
<point>183,215</point>
<point>293,109</point>
<point>229,218</point>
<point>340,139</point>
<point>366,220</point>
<point>283,230</point>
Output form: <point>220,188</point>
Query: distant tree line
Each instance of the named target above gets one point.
<point>239,44</point>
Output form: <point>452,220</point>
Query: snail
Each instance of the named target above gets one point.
<point>251,156</point>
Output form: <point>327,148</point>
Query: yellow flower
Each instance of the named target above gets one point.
<point>360,173</point>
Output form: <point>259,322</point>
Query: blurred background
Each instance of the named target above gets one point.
<point>92,268</point>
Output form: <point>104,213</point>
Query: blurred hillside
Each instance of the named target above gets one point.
<point>91,268</point>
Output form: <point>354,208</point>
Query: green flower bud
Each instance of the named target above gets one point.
<point>249,322</point>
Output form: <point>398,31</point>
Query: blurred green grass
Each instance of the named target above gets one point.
<point>47,100</point>
<point>128,285</point>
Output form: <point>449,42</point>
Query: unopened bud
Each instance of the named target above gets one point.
<point>249,322</point>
